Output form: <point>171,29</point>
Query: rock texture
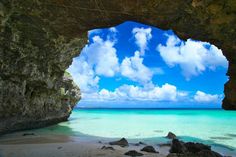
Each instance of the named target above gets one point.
<point>34,92</point>
<point>133,153</point>
<point>149,149</point>
<point>122,142</point>
<point>190,149</point>
<point>171,135</point>
<point>107,148</point>
<point>39,38</point>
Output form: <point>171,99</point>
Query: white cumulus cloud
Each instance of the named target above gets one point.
<point>94,32</point>
<point>206,98</point>
<point>193,57</point>
<point>113,30</point>
<point>142,36</point>
<point>97,59</point>
<point>84,75</point>
<point>166,92</point>
<point>134,69</point>
<point>102,56</point>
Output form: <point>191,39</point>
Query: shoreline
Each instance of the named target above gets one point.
<point>64,146</point>
<point>30,144</point>
<point>151,108</point>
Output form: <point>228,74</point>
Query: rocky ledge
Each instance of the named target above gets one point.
<point>46,112</point>
<point>190,149</point>
<point>176,148</point>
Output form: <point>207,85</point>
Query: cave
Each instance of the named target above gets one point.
<point>38,40</point>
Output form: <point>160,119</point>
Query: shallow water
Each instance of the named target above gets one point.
<point>214,127</point>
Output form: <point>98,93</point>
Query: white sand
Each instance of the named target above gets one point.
<point>16,145</point>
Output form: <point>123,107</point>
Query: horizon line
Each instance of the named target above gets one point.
<point>150,108</point>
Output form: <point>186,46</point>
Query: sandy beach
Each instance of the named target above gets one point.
<point>92,134</point>
<point>17,145</point>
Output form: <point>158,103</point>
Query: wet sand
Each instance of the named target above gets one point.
<point>17,145</point>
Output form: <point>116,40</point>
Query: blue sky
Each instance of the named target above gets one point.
<point>135,65</point>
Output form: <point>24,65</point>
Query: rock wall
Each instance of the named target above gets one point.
<point>39,38</point>
<point>33,60</point>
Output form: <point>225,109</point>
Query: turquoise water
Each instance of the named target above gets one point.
<point>214,127</point>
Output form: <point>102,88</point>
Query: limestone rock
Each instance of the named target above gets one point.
<point>107,148</point>
<point>171,135</point>
<point>133,153</point>
<point>205,153</point>
<point>196,147</point>
<point>181,149</point>
<point>142,143</point>
<point>208,153</point>
<point>122,142</point>
<point>178,147</point>
<point>149,149</point>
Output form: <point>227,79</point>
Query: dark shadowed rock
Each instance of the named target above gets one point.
<point>107,148</point>
<point>205,153</point>
<point>171,135</point>
<point>149,149</point>
<point>178,147</point>
<point>122,142</point>
<point>142,143</point>
<point>190,149</point>
<point>196,147</point>
<point>59,147</point>
<point>133,153</point>
<point>172,155</point>
<point>28,134</point>
<point>208,153</point>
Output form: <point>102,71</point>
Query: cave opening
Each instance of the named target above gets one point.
<point>141,82</point>
<point>151,72</point>
<point>133,65</point>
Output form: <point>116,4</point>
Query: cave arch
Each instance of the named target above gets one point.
<point>38,40</point>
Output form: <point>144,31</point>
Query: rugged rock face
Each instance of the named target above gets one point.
<point>33,60</point>
<point>181,149</point>
<point>39,38</point>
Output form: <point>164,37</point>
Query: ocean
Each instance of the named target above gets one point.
<point>214,127</point>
